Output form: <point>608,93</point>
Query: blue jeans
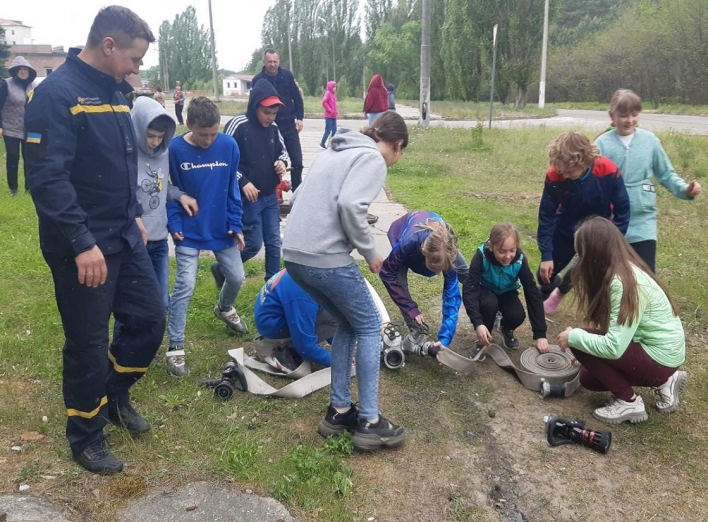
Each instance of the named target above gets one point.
<point>186,279</point>
<point>261,224</point>
<point>373,116</point>
<point>343,293</point>
<point>330,127</point>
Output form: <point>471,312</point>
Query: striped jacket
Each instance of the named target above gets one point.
<point>81,160</point>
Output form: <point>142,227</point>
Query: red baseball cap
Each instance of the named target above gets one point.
<point>270,101</point>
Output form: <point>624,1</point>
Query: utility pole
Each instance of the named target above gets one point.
<point>213,55</point>
<point>290,45</point>
<point>494,71</point>
<point>424,118</point>
<point>544,52</point>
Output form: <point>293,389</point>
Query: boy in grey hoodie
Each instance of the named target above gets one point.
<point>154,129</point>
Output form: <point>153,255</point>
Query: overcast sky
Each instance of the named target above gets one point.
<point>237,23</point>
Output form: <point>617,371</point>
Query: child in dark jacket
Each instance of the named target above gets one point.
<point>264,160</point>
<point>497,270</point>
<point>580,183</point>
<point>423,243</point>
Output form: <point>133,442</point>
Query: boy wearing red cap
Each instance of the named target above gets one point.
<point>264,161</point>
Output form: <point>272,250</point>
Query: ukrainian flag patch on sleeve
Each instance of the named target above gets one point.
<point>34,137</point>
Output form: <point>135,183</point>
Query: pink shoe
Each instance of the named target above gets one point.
<point>550,305</point>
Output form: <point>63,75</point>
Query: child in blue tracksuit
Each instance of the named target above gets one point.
<point>580,183</point>
<point>284,311</point>
<point>497,270</point>
<point>640,156</point>
<point>203,164</point>
<point>423,243</point>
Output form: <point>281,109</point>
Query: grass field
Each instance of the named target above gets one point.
<point>472,438</point>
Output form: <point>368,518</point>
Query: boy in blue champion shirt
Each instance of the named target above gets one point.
<point>264,160</point>
<point>203,164</point>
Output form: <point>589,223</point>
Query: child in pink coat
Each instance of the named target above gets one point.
<point>329,102</point>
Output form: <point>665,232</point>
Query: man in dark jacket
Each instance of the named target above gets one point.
<point>264,160</point>
<point>82,168</point>
<point>290,116</point>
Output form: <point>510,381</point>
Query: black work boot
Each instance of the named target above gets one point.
<point>127,418</point>
<point>97,458</point>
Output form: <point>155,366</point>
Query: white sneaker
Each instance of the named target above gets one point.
<point>174,360</point>
<point>231,318</point>
<point>667,395</point>
<point>617,411</point>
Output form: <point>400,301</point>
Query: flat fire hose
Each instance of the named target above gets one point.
<point>306,381</point>
<point>551,374</point>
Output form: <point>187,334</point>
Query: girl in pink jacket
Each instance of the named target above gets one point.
<point>329,102</point>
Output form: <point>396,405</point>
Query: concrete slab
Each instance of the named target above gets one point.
<point>21,508</point>
<point>204,502</point>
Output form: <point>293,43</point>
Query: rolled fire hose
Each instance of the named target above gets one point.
<point>306,381</point>
<point>551,374</point>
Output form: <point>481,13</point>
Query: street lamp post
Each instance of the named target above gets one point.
<point>213,56</point>
<point>334,66</point>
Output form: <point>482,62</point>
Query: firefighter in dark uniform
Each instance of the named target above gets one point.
<point>82,170</point>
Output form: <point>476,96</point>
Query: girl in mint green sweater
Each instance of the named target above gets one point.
<point>639,156</point>
<point>639,340</point>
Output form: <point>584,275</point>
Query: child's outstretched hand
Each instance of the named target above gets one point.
<point>189,204</point>
<point>563,339</point>
<point>542,345</point>
<point>693,189</point>
<point>483,335</point>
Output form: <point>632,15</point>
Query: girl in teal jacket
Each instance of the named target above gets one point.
<point>639,340</point>
<point>639,156</point>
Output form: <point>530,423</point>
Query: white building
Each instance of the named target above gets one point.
<point>237,84</point>
<point>16,33</point>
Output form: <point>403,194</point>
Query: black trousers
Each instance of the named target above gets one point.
<point>95,373</point>
<point>563,252</point>
<point>292,143</point>
<point>13,148</point>
<point>647,251</point>
<point>508,304</point>
<point>178,112</point>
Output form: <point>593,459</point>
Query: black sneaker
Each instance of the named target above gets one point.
<point>97,458</point>
<point>127,418</point>
<point>219,278</point>
<point>367,436</point>
<point>371,218</point>
<point>510,340</point>
<point>336,423</point>
<point>285,359</point>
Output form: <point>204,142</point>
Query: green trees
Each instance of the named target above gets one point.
<point>4,55</point>
<point>658,48</point>
<point>185,52</point>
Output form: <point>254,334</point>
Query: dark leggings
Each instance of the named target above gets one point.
<point>647,251</point>
<point>634,368</point>
<point>14,147</point>
<point>508,304</point>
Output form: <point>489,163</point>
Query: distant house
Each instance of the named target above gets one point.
<point>237,84</point>
<point>16,33</point>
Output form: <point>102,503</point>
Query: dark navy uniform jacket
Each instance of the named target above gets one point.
<point>600,191</point>
<point>81,160</point>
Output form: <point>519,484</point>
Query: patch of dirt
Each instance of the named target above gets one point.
<point>502,196</point>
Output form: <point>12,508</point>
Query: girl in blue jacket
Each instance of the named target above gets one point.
<point>639,156</point>
<point>423,243</point>
<point>497,270</point>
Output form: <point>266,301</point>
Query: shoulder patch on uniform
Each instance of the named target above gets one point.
<point>34,137</point>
